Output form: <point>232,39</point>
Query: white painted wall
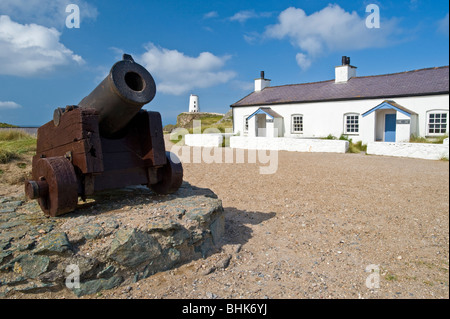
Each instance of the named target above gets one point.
<point>403,131</point>
<point>206,140</point>
<point>289,144</point>
<point>323,118</point>
<point>414,150</point>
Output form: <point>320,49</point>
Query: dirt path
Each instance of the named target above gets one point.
<point>323,226</point>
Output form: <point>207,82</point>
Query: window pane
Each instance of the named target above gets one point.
<point>437,123</point>
<point>297,123</point>
<point>351,124</point>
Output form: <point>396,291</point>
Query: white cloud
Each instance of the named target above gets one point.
<point>9,105</point>
<point>303,61</point>
<point>176,73</point>
<point>29,49</point>
<point>243,85</point>
<point>328,30</point>
<point>211,14</point>
<point>443,25</point>
<point>244,15</point>
<point>50,13</point>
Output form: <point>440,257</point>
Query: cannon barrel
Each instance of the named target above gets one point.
<point>120,96</point>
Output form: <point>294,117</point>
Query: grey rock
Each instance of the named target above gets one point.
<point>15,233</point>
<point>109,245</point>
<point>11,224</point>
<point>29,266</point>
<point>224,263</point>
<point>7,210</point>
<point>54,243</point>
<point>4,254</point>
<point>107,272</point>
<point>131,248</point>
<point>90,231</point>
<point>94,286</point>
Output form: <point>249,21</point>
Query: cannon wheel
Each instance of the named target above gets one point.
<point>172,176</point>
<point>59,177</point>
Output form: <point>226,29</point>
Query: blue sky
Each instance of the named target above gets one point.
<point>214,49</point>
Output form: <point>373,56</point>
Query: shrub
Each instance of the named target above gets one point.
<point>330,137</point>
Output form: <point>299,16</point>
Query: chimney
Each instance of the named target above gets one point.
<point>344,72</point>
<point>261,83</point>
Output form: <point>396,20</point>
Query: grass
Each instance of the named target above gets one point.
<point>431,140</point>
<point>390,277</point>
<point>15,144</point>
<point>357,147</point>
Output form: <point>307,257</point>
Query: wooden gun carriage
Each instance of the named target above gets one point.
<point>106,141</point>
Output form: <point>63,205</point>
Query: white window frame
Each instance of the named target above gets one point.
<point>355,115</point>
<point>436,121</point>
<point>293,131</point>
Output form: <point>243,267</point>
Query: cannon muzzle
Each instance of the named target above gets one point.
<point>120,96</point>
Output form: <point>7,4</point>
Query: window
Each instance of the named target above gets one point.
<point>437,123</point>
<point>246,124</point>
<point>351,123</point>
<point>297,123</point>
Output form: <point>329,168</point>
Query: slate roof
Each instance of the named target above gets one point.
<point>411,83</point>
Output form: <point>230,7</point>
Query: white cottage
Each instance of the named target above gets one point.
<point>388,107</point>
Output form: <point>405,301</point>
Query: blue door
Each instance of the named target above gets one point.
<point>389,127</point>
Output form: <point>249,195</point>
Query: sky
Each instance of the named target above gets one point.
<point>214,49</point>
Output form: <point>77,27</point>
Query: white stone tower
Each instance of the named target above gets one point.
<point>193,103</point>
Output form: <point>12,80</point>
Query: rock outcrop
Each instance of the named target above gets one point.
<point>116,238</point>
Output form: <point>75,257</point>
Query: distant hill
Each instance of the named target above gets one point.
<point>208,120</point>
<point>7,125</point>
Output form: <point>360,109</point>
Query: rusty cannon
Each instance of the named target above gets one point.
<point>105,142</point>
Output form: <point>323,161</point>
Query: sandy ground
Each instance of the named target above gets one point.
<point>323,226</point>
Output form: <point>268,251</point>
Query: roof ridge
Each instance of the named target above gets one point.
<point>359,77</point>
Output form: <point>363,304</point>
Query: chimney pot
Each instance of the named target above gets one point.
<point>262,74</point>
<point>345,60</point>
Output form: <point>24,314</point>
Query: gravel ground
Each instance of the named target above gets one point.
<point>323,226</point>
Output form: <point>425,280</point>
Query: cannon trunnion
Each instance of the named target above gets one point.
<point>105,142</point>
